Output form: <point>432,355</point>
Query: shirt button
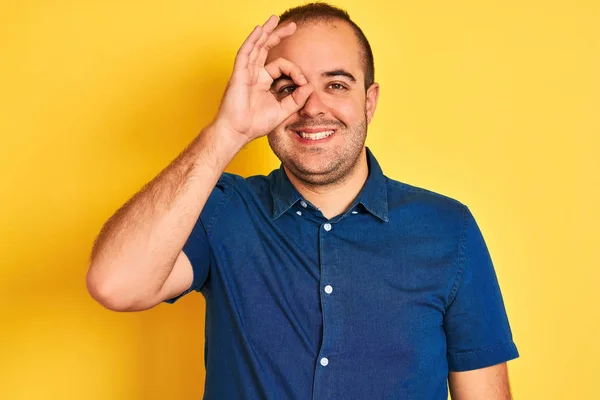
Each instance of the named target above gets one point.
<point>299,212</point>
<point>354,212</point>
<point>328,289</point>
<point>327,227</point>
<point>324,361</point>
<point>303,204</point>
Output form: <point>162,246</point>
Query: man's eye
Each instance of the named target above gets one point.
<point>337,86</point>
<point>287,89</point>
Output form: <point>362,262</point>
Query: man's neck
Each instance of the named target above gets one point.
<point>334,199</point>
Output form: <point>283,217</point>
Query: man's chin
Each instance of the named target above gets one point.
<point>313,174</point>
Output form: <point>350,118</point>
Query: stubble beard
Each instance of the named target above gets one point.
<point>337,164</point>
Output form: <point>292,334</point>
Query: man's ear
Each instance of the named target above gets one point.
<point>371,101</point>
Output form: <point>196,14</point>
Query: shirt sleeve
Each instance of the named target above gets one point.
<point>197,246</point>
<point>477,330</point>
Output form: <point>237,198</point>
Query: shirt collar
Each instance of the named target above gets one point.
<point>373,195</point>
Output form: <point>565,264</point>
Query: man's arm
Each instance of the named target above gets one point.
<point>489,383</point>
<point>140,246</point>
<point>137,259</point>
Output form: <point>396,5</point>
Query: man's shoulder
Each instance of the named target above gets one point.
<point>237,194</point>
<point>234,186</point>
<point>229,180</point>
<point>401,194</point>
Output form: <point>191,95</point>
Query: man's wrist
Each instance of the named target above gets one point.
<point>229,137</point>
<point>216,146</point>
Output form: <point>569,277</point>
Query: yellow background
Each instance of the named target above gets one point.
<point>493,103</point>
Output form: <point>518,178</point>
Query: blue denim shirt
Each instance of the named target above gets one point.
<point>379,302</point>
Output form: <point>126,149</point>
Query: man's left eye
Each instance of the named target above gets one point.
<point>337,86</point>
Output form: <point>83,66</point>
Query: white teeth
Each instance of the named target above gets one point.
<point>316,135</point>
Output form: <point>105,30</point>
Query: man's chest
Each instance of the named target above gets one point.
<point>370,288</point>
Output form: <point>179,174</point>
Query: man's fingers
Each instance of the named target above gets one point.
<point>241,60</point>
<point>256,47</point>
<point>267,30</point>
<point>274,39</point>
<point>291,104</point>
<point>281,66</point>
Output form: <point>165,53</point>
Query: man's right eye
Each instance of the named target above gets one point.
<point>287,89</point>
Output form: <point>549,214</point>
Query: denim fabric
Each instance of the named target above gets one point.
<point>379,302</point>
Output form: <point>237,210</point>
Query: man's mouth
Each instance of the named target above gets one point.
<point>315,135</point>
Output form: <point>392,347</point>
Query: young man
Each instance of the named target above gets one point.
<point>324,279</point>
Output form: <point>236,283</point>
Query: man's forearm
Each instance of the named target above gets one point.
<point>489,383</point>
<point>137,247</point>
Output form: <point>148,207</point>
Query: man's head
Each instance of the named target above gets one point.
<point>336,59</point>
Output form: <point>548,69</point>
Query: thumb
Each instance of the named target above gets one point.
<point>294,102</point>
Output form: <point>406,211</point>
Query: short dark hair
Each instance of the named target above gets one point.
<point>323,12</point>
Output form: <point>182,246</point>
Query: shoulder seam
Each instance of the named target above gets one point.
<point>462,251</point>
<point>227,189</point>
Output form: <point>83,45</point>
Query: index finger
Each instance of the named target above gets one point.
<point>281,66</point>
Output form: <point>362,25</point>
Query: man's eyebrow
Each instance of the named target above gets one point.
<point>339,72</point>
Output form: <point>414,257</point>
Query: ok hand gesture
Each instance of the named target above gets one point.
<point>248,106</point>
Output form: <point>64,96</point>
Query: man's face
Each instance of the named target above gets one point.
<point>329,55</point>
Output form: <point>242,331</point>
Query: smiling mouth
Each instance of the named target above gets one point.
<point>315,135</point>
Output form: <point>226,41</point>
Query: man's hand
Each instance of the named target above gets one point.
<point>248,107</point>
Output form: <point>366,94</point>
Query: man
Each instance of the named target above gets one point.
<point>324,279</point>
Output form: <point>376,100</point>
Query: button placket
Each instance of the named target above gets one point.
<point>330,270</point>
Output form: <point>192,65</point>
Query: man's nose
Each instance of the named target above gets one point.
<point>313,107</point>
